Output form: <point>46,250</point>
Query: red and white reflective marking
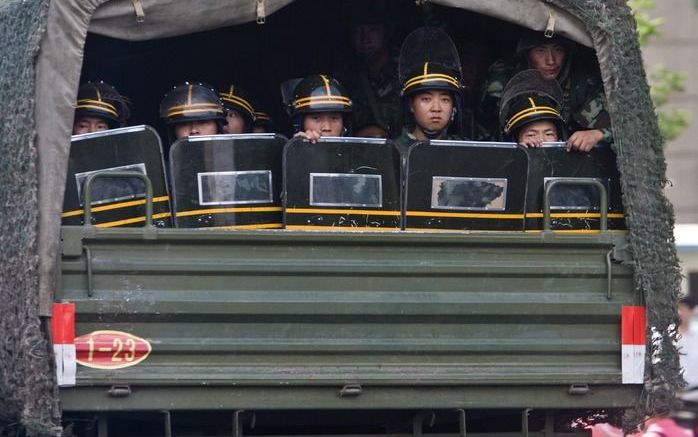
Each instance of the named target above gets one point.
<point>63,332</point>
<point>633,344</point>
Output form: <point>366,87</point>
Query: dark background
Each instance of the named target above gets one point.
<point>308,36</point>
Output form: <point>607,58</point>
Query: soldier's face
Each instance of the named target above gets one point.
<point>86,125</point>
<point>236,124</point>
<point>432,109</point>
<point>372,131</point>
<point>368,39</point>
<point>548,59</point>
<point>193,128</point>
<point>329,124</point>
<point>543,131</point>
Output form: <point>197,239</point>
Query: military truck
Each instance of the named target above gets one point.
<point>381,310</point>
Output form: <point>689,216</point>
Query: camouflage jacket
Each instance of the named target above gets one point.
<point>376,99</point>
<point>406,139</point>
<point>583,107</point>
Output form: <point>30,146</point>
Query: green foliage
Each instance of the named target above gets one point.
<point>663,82</point>
<point>647,26</point>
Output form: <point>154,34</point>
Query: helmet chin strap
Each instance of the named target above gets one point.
<point>432,134</point>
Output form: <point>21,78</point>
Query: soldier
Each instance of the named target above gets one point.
<point>320,108</point>
<point>192,109</point>
<point>239,111</point>
<point>263,123</point>
<point>99,107</point>
<point>530,112</point>
<point>373,130</point>
<point>370,74</point>
<point>583,102</point>
<point>431,86</point>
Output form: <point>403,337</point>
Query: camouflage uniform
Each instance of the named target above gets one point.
<point>376,100</point>
<point>406,139</point>
<point>583,104</point>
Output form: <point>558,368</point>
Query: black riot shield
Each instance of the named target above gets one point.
<point>342,184</point>
<point>116,201</point>
<point>463,185</point>
<point>227,181</point>
<point>573,207</point>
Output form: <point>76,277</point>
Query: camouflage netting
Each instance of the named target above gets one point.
<point>650,216</point>
<point>28,395</point>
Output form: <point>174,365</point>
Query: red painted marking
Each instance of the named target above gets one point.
<point>63,323</point>
<point>633,325</point>
<point>111,349</point>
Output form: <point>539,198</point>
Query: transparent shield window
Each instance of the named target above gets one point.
<point>576,197</point>
<point>108,189</point>
<point>235,187</point>
<point>346,190</point>
<point>475,194</point>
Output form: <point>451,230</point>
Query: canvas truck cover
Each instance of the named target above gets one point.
<point>40,81</point>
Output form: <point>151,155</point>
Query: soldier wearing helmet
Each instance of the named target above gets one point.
<point>263,122</point>
<point>192,109</point>
<point>431,86</point>
<point>530,110</point>
<point>320,108</point>
<point>99,107</point>
<point>239,111</point>
<point>370,71</point>
<point>583,105</point>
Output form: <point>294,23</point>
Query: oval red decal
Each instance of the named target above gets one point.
<point>110,349</point>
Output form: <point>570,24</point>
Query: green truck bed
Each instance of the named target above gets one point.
<point>282,319</point>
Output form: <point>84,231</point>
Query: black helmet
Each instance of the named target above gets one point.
<point>530,97</point>
<point>432,76</point>
<point>526,109</point>
<point>530,39</point>
<point>191,102</point>
<point>236,99</point>
<point>429,61</point>
<point>99,99</point>
<point>319,93</point>
<point>263,119</point>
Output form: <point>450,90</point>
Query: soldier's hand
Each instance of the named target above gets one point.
<point>584,140</point>
<point>532,142</point>
<point>311,135</point>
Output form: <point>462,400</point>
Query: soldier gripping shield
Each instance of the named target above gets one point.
<point>99,107</point>
<point>319,107</point>
<point>530,110</point>
<point>239,110</point>
<point>431,86</point>
<point>192,109</point>
<point>583,106</point>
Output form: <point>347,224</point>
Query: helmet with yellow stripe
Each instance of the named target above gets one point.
<point>235,99</point>
<point>429,61</point>
<point>432,76</point>
<point>263,122</point>
<point>99,99</point>
<point>318,93</point>
<point>191,102</point>
<point>530,97</point>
